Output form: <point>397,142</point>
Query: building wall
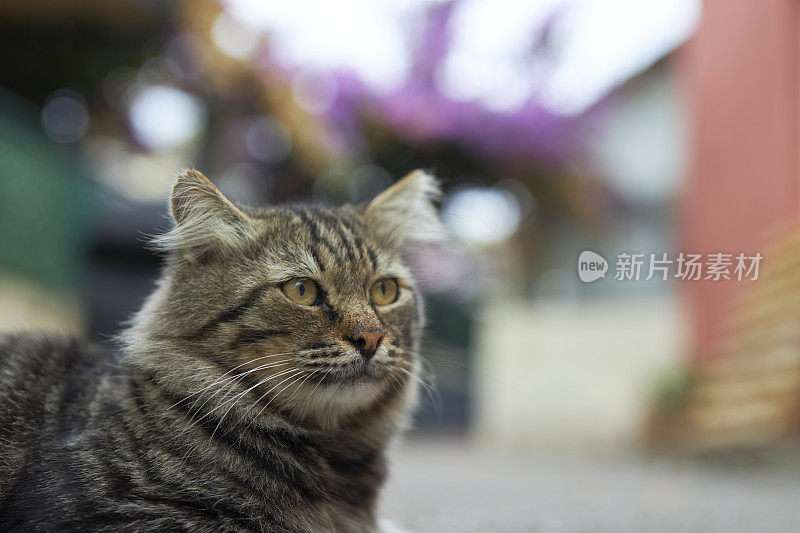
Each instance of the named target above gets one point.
<point>562,377</point>
<point>740,74</point>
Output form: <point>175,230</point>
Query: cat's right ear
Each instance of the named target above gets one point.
<point>204,218</point>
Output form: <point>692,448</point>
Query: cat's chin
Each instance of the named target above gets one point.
<point>351,388</point>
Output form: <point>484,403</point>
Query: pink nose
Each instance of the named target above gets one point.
<point>367,342</point>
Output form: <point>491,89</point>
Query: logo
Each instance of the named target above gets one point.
<point>591,266</point>
<point>683,266</point>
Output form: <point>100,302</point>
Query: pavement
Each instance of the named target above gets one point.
<point>447,485</point>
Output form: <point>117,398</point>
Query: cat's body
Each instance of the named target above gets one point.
<point>229,406</point>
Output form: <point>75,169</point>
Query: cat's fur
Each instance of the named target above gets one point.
<point>228,407</point>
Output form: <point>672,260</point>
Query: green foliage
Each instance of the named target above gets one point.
<point>46,203</point>
<point>672,388</point>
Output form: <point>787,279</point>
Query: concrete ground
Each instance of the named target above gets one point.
<point>443,486</point>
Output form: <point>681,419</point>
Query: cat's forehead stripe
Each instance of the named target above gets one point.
<point>335,239</point>
<point>342,236</point>
<point>348,238</point>
<point>315,238</point>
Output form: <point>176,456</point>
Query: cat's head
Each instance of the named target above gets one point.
<point>312,305</point>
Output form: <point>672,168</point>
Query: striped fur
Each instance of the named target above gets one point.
<point>227,407</point>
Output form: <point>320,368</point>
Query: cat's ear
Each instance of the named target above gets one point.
<point>406,211</point>
<point>204,218</point>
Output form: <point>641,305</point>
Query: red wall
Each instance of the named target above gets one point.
<point>740,75</point>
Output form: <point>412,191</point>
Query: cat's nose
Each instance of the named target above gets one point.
<point>367,342</point>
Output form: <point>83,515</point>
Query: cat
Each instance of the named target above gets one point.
<point>256,390</point>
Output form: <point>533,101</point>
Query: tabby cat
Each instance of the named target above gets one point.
<point>256,390</point>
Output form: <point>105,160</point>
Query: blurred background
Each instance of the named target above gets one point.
<point>556,126</point>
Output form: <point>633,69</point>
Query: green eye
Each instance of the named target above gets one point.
<point>303,291</point>
<point>384,291</point>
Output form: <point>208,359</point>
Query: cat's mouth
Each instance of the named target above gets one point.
<point>362,371</point>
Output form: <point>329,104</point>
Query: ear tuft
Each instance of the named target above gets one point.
<point>405,212</point>
<point>204,217</point>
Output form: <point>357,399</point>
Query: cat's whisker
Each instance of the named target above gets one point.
<point>235,398</point>
<point>278,394</point>
<point>330,405</point>
<point>433,393</point>
<point>229,387</point>
<point>300,384</point>
<point>320,381</point>
<point>194,422</point>
<point>396,383</point>
<point>238,377</point>
<point>226,384</point>
<point>292,372</point>
<point>429,374</point>
<point>223,378</point>
<point>265,395</point>
<point>427,357</point>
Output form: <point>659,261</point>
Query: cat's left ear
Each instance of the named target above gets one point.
<point>406,211</point>
<point>205,220</point>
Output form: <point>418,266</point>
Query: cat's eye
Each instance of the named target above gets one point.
<point>303,291</point>
<point>383,292</point>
